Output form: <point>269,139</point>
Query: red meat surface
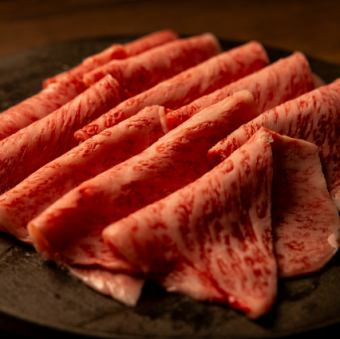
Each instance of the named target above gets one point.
<point>69,230</point>
<point>283,80</point>
<point>186,86</point>
<point>138,73</point>
<point>37,106</point>
<point>66,86</point>
<point>213,239</point>
<point>314,116</point>
<point>28,149</point>
<point>305,219</point>
<point>31,196</point>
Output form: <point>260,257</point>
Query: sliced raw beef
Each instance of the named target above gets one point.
<point>31,196</point>
<point>138,73</point>
<point>115,51</point>
<point>186,86</point>
<point>314,116</point>
<point>37,106</point>
<point>271,86</point>
<point>305,219</point>
<point>212,239</point>
<point>140,179</point>
<point>35,145</point>
<point>69,230</point>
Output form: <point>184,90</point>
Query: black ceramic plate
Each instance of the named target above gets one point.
<point>39,300</point>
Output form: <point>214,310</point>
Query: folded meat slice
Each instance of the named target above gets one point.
<point>69,230</point>
<point>31,196</point>
<point>140,72</point>
<point>140,179</point>
<point>314,116</point>
<point>115,51</point>
<point>37,106</point>
<point>305,219</point>
<point>212,239</point>
<point>35,145</point>
<point>285,79</point>
<point>66,86</point>
<point>186,86</point>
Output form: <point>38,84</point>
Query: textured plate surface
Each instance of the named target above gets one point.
<point>38,299</point>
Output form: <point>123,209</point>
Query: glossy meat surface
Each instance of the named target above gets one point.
<point>314,116</point>
<point>37,106</point>
<point>69,231</point>
<point>283,80</point>
<point>25,151</point>
<point>36,192</point>
<point>186,86</point>
<point>138,73</point>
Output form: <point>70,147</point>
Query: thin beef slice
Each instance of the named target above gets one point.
<point>69,231</point>
<point>66,86</point>
<point>165,166</point>
<point>31,196</point>
<point>24,202</point>
<point>305,219</point>
<point>37,106</point>
<point>25,151</point>
<point>212,239</point>
<point>138,73</point>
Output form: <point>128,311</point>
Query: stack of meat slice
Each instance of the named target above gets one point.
<point>314,116</point>
<point>135,73</point>
<point>188,86</point>
<point>130,137</point>
<point>114,52</point>
<point>179,176</point>
<point>213,238</point>
<point>144,70</point>
<point>69,231</point>
<point>65,86</point>
<point>33,146</point>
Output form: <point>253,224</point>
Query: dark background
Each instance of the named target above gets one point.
<point>309,25</point>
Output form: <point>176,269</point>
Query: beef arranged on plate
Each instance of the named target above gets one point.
<point>19,205</point>
<point>284,79</point>
<point>140,72</point>
<point>38,106</point>
<point>33,146</point>
<point>133,74</point>
<point>69,230</point>
<point>65,86</point>
<point>186,86</point>
<point>112,146</point>
<point>314,116</point>
<point>213,174</point>
<point>213,237</point>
